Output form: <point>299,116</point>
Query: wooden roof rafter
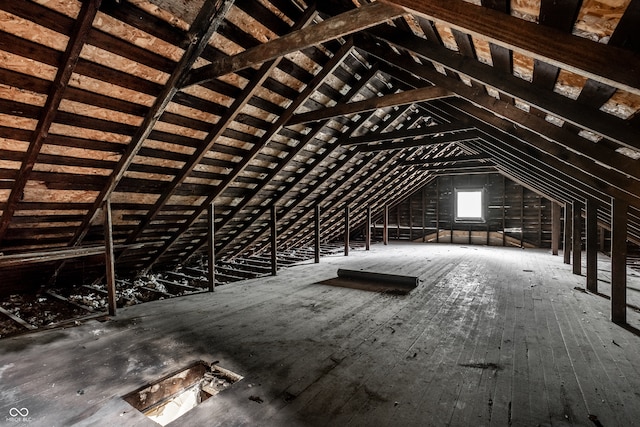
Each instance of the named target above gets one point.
<point>339,166</point>
<point>282,164</point>
<point>607,64</point>
<point>205,25</point>
<point>584,116</point>
<point>216,131</point>
<point>56,94</point>
<point>331,29</point>
<point>533,123</point>
<point>253,152</point>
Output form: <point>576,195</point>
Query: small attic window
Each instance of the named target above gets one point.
<point>469,205</point>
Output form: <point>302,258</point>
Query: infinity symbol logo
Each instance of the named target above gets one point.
<point>14,412</point>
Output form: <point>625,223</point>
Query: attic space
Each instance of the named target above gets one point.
<point>182,181</point>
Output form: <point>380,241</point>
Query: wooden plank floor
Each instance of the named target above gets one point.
<point>492,336</point>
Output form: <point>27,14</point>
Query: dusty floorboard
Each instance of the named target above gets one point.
<point>492,336</point>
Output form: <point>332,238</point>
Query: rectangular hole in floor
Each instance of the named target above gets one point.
<point>175,394</point>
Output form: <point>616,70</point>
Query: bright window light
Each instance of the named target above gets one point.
<point>469,205</point>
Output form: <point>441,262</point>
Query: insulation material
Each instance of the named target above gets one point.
<point>598,18</point>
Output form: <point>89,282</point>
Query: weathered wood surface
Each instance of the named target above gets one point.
<point>491,336</point>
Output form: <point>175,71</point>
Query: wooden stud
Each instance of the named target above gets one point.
<point>274,241</point>
<point>398,221</point>
<point>504,211</point>
<point>316,235</point>
<point>410,220</point>
<point>346,230</point>
<point>521,216</point>
<point>556,227</point>
<point>592,245</point>
<point>619,220</point>
<point>438,210</point>
<point>566,246</point>
<point>211,251</point>
<point>577,237</point>
<point>368,229</point>
<point>109,257</point>
<point>423,215</point>
<point>385,225</point>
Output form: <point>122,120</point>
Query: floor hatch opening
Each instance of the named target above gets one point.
<point>177,393</point>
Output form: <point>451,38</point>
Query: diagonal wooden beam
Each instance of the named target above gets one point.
<point>349,155</point>
<point>593,177</point>
<point>562,137</point>
<point>400,98</point>
<point>216,132</point>
<point>66,68</point>
<point>405,134</point>
<point>204,26</point>
<point>616,67</point>
<point>355,89</point>
<point>599,122</point>
<point>333,28</point>
<point>335,61</point>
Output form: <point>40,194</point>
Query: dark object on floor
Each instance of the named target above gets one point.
<point>375,282</point>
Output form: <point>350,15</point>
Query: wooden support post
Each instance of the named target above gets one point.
<point>619,261</point>
<point>486,211</point>
<point>368,231</point>
<point>602,236</point>
<point>540,221</point>
<point>346,231</point>
<point>385,225</point>
<point>521,216</point>
<point>411,213</point>
<point>109,257</point>
<point>556,227</point>
<point>438,210</point>
<point>274,241</point>
<point>398,222</point>
<point>211,251</point>
<point>592,245</point>
<point>424,213</point>
<point>566,244</point>
<point>504,213</point>
<point>577,237</point>
<point>316,233</point>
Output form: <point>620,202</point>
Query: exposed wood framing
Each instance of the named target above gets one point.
<point>613,66</point>
<point>396,99</point>
<point>619,261</point>
<point>592,245</point>
<point>333,28</point>
<point>109,258</point>
<point>205,25</point>
<point>56,94</point>
<point>576,241</point>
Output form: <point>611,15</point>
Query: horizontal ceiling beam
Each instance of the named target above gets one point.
<point>457,159</point>
<point>462,167</point>
<point>338,26</point>
<point>446,138</point>
<point>406,134</point>
<point>400,98</point>
<point>614,66</point>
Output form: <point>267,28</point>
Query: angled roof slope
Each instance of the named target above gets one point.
<point>161,108</point>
